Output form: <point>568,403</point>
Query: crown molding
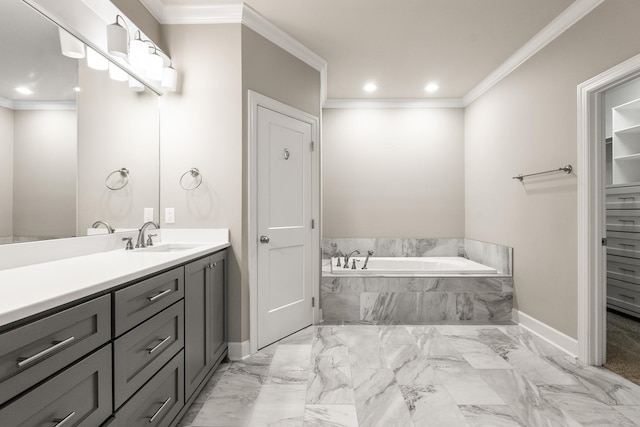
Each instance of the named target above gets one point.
<point>37,105</point>
<point>394,103</point>
<point>574,13</point>
<point>155,8</point>
<point>6,103</point>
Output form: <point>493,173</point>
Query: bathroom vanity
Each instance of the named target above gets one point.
<point>116,338</point>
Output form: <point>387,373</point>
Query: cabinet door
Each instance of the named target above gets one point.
<point>197,343</point>
<point>218,304</point>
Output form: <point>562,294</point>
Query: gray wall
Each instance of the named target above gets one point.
<point>527,123</point>
<point>116,128</point>
<point>393,172</point>
<point>44,192</point>
<point>6,174</point>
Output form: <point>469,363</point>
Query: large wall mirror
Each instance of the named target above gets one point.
<point>64,129</point>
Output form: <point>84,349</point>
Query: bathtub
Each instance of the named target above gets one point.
<point>411,266</point>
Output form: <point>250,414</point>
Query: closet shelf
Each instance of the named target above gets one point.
<point>635,156</point>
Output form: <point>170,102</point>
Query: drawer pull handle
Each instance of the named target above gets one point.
<point>627,270</point>
<point>22,361</point>
<point>632,221</point>
<point>626,245</point>
<point>627,198</point>
<point>212,265</point>
<point>627,296</point>
<point>160,295</point>
<point>62,421</point>
<point>151,350</point>
<point>153,417</point>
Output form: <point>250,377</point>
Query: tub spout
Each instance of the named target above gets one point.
<point>346,257</point>
<point>366,261</point>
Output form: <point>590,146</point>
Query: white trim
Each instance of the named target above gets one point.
<point>38,105</point>
<point>238,351</point>
<point>591,216</point>
<point>6,103</point>
<point>254,100</point>
<point>574,13</point>
<point>553,336</point>
<point>155,8</point>
<point>202,14</point>
<point>394,103</point>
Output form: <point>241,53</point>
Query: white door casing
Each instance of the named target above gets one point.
<point>284,226</point>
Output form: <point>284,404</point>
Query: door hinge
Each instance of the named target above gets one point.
<point>604,241</point>
<point>313,146</point>
<point>313,224</point>
<point>313,301</point>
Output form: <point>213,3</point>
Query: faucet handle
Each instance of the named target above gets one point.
<point>129,246</point>
<point>149,240</point>
<point>353,263</point>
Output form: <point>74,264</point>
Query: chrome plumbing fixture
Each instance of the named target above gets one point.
<point>149,240</point>
<point>97,224</point>
<point>353,263</point>
<point>140,239</point>
<point>129,246</point>
<point>338,255</point>
<point>346,257</point>
<point>366,261</point>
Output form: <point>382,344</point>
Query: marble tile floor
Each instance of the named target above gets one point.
<point>427,375</point>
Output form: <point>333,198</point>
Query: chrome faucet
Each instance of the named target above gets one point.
<point>366,261</point>
<point>140,240</point>
<point>346,257</point>
<point>97,224</point>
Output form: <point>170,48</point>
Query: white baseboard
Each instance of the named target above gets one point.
<point>239,350</point>
<point>563,342</point>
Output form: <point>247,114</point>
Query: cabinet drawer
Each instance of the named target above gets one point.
<point>624,297</point>
<point>33,352</point>
<point>141,352</point>
<point>623,246</point>
<point>159,401</point>
<point>623,197</point>
<point>623,220</point>
<point>138,302</point>
<point>80,394</point>
<point>622,268</point>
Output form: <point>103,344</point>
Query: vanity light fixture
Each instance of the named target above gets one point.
<point>370,87</point>
<point>70,46</point>
<point>169,78</point>
<point>154,65</point>
<point>138,52</point>
<point>116,73</point>
<point>431,87</point>
<point>118,38</point>
<point>96,61</point>
<point>23,90</point>
<point>135,85</point>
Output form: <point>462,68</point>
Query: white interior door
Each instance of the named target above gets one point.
<point>284,170</point>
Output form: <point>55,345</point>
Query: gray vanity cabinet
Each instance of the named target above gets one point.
<point>78,396</point>
<point>205,343</point>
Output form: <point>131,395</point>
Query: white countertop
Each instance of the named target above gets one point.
<point>31,289</point>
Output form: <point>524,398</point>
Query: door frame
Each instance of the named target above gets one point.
<point>255,100</point>
<point>592,295</point>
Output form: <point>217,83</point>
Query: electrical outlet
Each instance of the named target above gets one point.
<point>148,214</point>
<point>169,215</point>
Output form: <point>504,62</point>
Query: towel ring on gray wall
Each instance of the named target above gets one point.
<point>124,173</point>
<point>194,172</point>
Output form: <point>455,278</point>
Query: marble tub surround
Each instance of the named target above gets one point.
<point>490,254</point>
<point>405,376</point>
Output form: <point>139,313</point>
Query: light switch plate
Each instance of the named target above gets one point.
<point>148,214</point>
<point>169,215</point>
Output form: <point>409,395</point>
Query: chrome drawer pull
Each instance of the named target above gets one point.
<point>627,220</point>
<point>627,198</point>
<point>626,245</point>
<point>627,296</point>
<point>627,270</point>
<point>22,361</point>
<point>64,420</point>
<point>160,295</point>
<point>151,350</point>
<point>153,417</point>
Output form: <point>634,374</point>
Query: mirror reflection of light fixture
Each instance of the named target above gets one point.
<point>138,52</point>
<point>135,85</point>
<point>70,46</point>
<point>155,64</point>
<point>96,61</point>
<point>116,73</point>
<point>169,78</point>
<point>118,38</point>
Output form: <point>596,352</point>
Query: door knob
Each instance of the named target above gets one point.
<point>264,239</point>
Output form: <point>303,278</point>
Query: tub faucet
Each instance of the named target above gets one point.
<point>346,257</point>
<point>140,240</point>
<point>366,261</point>
<point>97,224</point>
<point>338,255</point>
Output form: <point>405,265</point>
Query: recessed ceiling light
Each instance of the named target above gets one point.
<point>370,87</point>
<point>431,87</point>
<point>24,90</point>
<point>76,89</point>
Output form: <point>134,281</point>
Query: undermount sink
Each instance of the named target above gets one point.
<point>168,247</point>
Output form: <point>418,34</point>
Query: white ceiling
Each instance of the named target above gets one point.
<point>30,52</point>
<point>404,44</point>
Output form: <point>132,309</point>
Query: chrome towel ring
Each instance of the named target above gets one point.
<point>195,173</point>
<point>124,174</point>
